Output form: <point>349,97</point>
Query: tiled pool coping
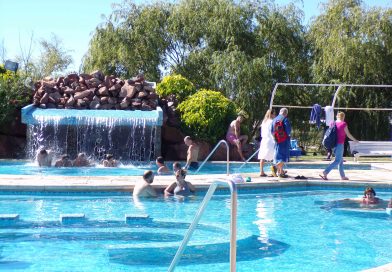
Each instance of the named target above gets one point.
<point>377,177</point>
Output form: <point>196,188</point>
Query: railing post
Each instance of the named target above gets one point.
<point>212,152</point>
<point>196,219</point>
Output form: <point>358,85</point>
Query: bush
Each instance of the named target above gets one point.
<point>206,115</point>
<point>177,85</point>
<point>13,94</point>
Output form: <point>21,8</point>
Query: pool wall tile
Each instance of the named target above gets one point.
<point>72,218</point>
<point>8,219</point>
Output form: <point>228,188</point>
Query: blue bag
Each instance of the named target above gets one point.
<point>330,137</point>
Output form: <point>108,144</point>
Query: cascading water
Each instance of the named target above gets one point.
<point>128,135</point>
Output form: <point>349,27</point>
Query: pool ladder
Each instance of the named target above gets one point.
<point>212,152</point>
<point>233,224</point>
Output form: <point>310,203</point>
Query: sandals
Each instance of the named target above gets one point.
<point>283,176</point>
<point>263,175</point>
<point>300,177</point>
<point>323,176</point>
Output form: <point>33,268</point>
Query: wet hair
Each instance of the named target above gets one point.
<point>109,156</point>
<point>43,152</point>
<point>176,165</point>
<point>147,176</point>
<point>369,190</point>
<point>82,154</point>
<point>181,172</point>
<point>161,160</point>
<point>188,138</point>
<point>64,156</point>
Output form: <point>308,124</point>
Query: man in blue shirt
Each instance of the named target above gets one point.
<point>281,130</point>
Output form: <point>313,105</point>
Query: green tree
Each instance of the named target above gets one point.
<point>353,44</point>
<point>54,59</point>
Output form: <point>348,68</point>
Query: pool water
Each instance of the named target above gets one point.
<point>278,230</point>
<point>27,168</point>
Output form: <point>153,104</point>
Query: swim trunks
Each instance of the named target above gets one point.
<point>231,138</point>
<point>194,165</point>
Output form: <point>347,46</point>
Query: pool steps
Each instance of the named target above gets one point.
<point>73,218</point>
<point>8,219</point>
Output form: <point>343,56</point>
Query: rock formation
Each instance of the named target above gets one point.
<point>95,91</point>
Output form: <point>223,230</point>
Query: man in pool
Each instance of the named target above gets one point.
<point>369,196</point>
<point>110,161</point>
<point>44,158</point>
<point>162,168</point>
<point>143,188</point>
<point>81,160</point>
<point>192,154</point>
<point>64,161</point>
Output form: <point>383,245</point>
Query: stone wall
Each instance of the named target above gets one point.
<point>95,91</point>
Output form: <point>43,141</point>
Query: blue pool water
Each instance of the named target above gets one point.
<point>278,230</point>
<point>27,168</point>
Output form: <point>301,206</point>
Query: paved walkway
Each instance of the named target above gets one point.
<point>379,175</point>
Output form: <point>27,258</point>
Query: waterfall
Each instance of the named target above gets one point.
<point>129,135</point>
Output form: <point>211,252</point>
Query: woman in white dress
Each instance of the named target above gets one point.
<point>267,144</point>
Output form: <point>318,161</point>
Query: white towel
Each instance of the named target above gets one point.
<point>329,115</point>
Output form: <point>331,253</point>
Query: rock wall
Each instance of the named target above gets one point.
<point>95,91</point>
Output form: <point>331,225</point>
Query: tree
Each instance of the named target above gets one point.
<point>352,44</point>
<point>54,58</point>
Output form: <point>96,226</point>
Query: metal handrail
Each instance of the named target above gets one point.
<point>233,224</point>
<point>251,157</point>
<point>212,152</point>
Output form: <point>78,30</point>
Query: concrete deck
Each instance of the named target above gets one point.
<point>379,176</point>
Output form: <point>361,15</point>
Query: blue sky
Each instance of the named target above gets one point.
<point>74,22</point>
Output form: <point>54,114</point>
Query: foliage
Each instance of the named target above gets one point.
<point>243,48</point>
<point>177,85</point>
<point>207,114</point>
<point>353,44</point>
<point>54,58</point>
<point>13,94</point>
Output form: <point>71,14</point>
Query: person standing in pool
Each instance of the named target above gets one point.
<point>44,158</point>
<point>180,187</point>
<point>162,168</point>
<point>342,131</point>
<point>144,188</point>
<point>234,137</point>
<point>192,154</point>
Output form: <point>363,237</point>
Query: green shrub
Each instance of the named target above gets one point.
<point>13,94</point>
<point>177,85</point>
<point>206,115</point>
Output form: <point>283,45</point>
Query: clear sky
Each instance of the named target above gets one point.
<point>74,22</point>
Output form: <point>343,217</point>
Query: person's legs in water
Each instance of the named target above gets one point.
<point>336,162</point>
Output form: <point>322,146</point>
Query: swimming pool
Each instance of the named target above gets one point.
<point>21,167</point>
<point>281,229</point>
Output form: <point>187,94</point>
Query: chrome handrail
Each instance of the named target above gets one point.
<point>233,224</point>
<point>245,162</point>
<point>212,152</point>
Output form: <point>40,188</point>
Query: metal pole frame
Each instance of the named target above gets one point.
<point>196,219</point>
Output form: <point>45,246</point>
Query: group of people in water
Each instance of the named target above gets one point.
<point>45,158</point>
<point>179,187</point>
